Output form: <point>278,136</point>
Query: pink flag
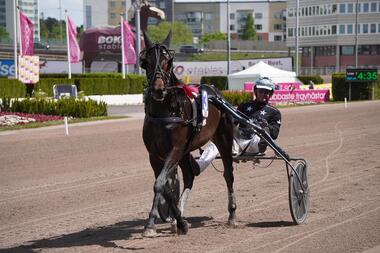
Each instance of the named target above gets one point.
<point>72,43</point>
<point>26,31</point>
<point>129,44</point>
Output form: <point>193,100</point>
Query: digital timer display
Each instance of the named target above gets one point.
<point>361,75</point>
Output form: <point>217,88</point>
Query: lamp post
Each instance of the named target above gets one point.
<point>356,33</point>
<point>297,34</point>
<point>228,38</point>
<point>137,6</point>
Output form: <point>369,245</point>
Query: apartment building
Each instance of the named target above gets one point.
<point>28,7</point>
<point>208,16</point>
<point>327,33</point>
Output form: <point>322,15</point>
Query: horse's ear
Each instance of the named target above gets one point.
<point>168,40</point>
<point>148,43</point>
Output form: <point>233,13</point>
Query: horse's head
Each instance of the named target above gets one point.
<point>157,60</point>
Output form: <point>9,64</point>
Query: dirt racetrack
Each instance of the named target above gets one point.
<point>91,191</point>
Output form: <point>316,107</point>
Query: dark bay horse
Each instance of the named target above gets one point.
<point>169,136</point>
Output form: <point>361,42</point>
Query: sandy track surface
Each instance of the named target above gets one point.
<point>91,191</point>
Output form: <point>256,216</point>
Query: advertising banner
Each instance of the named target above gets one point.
<point>219,68</point>
<point>7,68</point>
<point>29,69</point>
<point>300,96</point>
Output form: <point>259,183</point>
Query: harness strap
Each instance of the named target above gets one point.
<point>170,120</point>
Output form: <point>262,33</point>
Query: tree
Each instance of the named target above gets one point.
<point>249,30</point>
<point>52,28</point>
<point>181,33</point>
<point>206,38</point>
<point>3,33</point>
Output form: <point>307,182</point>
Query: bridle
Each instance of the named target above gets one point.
<point>158,71</point>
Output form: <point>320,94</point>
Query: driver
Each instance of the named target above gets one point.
<point>261,113</point>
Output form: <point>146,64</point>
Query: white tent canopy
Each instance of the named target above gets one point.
<point>261,69</point>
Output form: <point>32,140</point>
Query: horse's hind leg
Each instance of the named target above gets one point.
<point>224,144</point>
<point>186,164</point>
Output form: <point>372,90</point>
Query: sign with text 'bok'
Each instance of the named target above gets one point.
<point>7,67</point>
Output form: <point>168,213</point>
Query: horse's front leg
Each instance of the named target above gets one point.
<point>163,188</point>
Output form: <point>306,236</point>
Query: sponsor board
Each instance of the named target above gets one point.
<point>28,69</point>
<point>219,68</point>
<point>7,68</point>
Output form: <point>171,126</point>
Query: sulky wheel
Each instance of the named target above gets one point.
<point>299,195</point>
<point>163,206</point>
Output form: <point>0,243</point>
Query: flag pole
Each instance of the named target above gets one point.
<point>68,44</point>
<point>122,44</point>
<point>126,19</point>
<point>19,30</point>
<point>15,7</point>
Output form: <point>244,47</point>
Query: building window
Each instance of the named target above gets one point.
<point>342,8</point>
<point>350,8</point>
<point>232,16</point>
<point>342,29</point>
<point>277,27</point>
<point>350,29</point>
<point>358,27</point>
<point>162,5</point>
<point>290,12</point>
<point>373,28</point>
<point>366,7</point>
<point>378,28</point>
<point>232,27</point>
<point>365,28</point>
<point>258,15</point>
<point>291,32</point>
<point>306,51</point>
<point>259,27</point>
<point>364,49</point>
<point>208,16</point>
<point>277,38</point>
<point>112,4</point>
<point>347,50</point>
<point>373,7</point>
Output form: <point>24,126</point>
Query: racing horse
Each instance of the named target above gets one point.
<point>169,135</point>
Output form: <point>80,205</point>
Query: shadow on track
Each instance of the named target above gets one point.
<point>271,224</point>
<point>102,236</point>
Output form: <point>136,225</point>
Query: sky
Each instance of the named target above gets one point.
<point>50,8</point>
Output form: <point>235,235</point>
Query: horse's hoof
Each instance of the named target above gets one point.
<point>183,229</point>
<point>149,232</point>
<point>232,224</point>
<point>173,228</point>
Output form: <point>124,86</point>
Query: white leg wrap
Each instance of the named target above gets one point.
<point>183,200</point>
<point>207,156</point>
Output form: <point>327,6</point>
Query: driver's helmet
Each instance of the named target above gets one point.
<point>264,83</point>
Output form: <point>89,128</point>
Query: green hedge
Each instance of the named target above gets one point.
<point>72,107</point>
<point>100,85</point>
<point>307,79</point>
<point>12,88</point>
<point>237,97</point>
<point>84,75</point>
<point>359,91</point>
<point>220,82</point>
